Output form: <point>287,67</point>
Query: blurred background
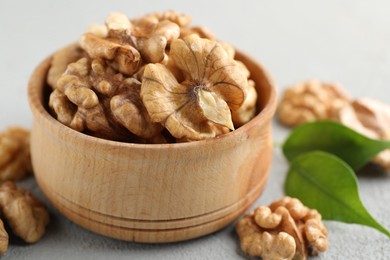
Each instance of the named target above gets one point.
<point>345,41</point>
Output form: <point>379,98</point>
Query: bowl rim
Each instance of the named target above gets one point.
<point>36,84</point>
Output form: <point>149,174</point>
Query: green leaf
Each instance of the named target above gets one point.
<point>324,182</point>
<point>335,138</point>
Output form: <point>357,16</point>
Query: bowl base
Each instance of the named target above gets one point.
<point>149,231</point>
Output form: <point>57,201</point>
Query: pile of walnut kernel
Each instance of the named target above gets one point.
<point>153,79</point>
<point>25,215</point>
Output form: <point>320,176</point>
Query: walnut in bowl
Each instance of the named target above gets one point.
<point>169,190</point>
<point>152,79</point>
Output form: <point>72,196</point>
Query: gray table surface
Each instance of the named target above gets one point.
<point>346,41</point>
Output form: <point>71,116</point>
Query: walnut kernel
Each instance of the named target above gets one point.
<point>248,109</point>
<point>26,216</point>
<point>127,108</point>
<point>123,57</point>
<point>152,39</point>
<point>15,161</point>
<point>371,118</point>
<point>311,100</point>
<point>100,93</point>
<point>202,32</point>
<point>60,61</point>
<point>212,87</point>
<point>113,44</point>
<point>258,243</point>
<point>284,230</point>
<point>3,238</point>
<point>180,19</point>
<point>92,96</point>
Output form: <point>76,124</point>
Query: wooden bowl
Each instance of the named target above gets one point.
<point>151,192</point>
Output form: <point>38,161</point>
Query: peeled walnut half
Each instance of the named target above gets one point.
<point>258,243</point>
<point>286,229</point>
<point>213,84</point>
<point>3,238</point>
<point>309,101</point>
<point>152,37</point>
<point>129,43</point>
<point>60,61</point>
<point>15,161</point>
<point>92,96</point>
<point>26,216</point>
<point>180,19</point>
<point>128,109</point>
<point>201,31</point>
<point>248,109</point>
<point>371,118</point>
<point>374,115</point>
<point>313,100</point>
<point>113,44</point>
<point>75,102</point>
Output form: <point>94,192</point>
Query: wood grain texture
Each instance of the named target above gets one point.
<point>152,192</point>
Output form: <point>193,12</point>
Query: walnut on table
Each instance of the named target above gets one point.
<point>4,239</point>
<point>257,243</point>
<point>312,100</point>
<point>309,101</point>
<point>26,216</point>
<point>286,229</point>
<point>374,115</point>
<point>371,118</point>
<point>15,161</point>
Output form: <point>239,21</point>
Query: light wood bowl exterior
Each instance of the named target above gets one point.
<point>152,192</point>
